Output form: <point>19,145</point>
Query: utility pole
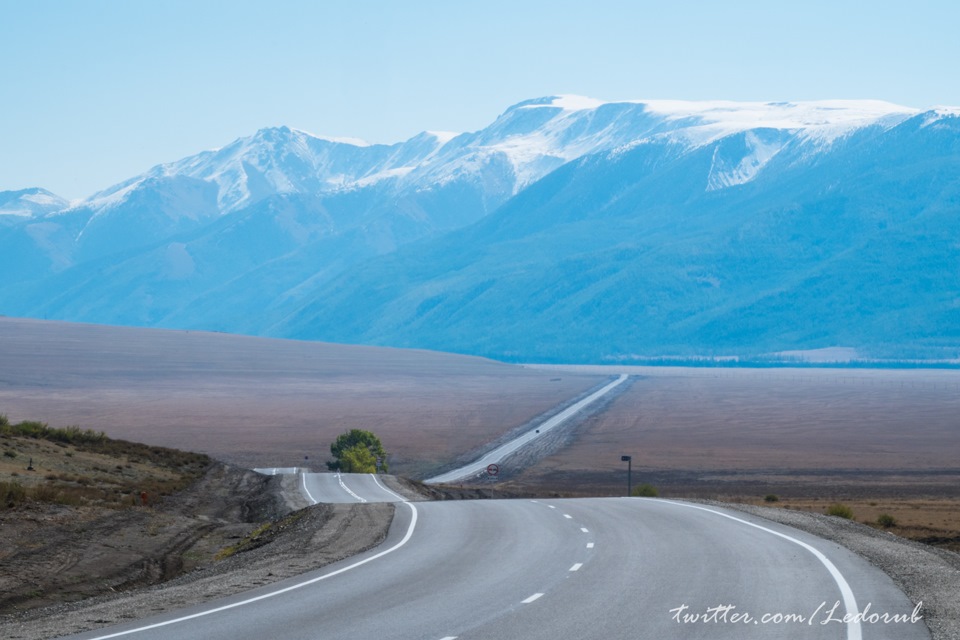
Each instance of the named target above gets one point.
<point>629,461</point>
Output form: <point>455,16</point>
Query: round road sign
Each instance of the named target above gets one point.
<point>493,469</point>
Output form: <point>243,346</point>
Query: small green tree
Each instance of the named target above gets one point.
<point>356,451</point>
<point>358,459</point>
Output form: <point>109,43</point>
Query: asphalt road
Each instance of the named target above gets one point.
<point>479,466</point>
<point>345,487</point>
<point>586,568</point>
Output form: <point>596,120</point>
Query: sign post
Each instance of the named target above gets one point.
<point>628,460</point>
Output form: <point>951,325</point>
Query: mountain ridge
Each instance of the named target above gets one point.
<point>707,212</point>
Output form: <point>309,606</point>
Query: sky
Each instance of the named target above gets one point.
<point>94,92</point>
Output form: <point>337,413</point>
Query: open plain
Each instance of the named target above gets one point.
<point>267,403</point>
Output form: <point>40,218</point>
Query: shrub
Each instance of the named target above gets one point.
<point>645,490</point>
<point>840,510</point>
<point>10,454</point>
<point>886,520</point>
<point>11,494</point>
<point>771,497</point>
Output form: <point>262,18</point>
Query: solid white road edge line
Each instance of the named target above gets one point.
<point>531,598</point>
<point>849,601</point>
<point>406,538</point>
<point>309,495</point>
<point>347,489</point>
<point>395,495</point>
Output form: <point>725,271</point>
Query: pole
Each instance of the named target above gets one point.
<point>629,461</point>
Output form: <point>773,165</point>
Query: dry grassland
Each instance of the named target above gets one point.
<point>260,402</point>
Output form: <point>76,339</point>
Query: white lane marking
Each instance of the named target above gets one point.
<point>576,567</point>
<point>584,529</point>
<point>309,495</point>
<point>854,631</point>
<point>551,506</point>
<point>347,489</point>
<point>589,545</point>
<point>397,496</point>
<point>527,601</point>
<point>406,538</point>
<point>568,516</point>
<point>449,638</point>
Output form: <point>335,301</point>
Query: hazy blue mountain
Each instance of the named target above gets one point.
<point>569,229</point>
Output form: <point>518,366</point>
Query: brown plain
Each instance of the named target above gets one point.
<point>263,403</point>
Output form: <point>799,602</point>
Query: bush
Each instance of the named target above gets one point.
<point>771,497</point>
<point>645,491</point>
<point>11,494</point>
<point>10,454</point>
<point>886,520</point>
<point>840,510</point>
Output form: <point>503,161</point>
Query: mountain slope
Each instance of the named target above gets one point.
<point>567,229</point>
<point>633,252</point>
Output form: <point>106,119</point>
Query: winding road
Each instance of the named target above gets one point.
<point>589,568</point>
<point>577,568</point>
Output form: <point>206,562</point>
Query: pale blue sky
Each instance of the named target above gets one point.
<point>94,92</point>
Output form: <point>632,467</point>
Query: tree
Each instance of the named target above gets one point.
<point>357,451</point>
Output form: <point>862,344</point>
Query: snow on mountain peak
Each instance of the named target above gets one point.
<point>30,202</point>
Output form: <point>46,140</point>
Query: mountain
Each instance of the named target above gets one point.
<point>568,229</point>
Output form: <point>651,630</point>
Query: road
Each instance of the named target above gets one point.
<point>345,487</point>
<point>479,466</point>
<point>594,568</point>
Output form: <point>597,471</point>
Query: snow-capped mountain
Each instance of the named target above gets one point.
<point>456,241</point>
<point>30,202</point>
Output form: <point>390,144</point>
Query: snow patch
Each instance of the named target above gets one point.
<point>759,153</point>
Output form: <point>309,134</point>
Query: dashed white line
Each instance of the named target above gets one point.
<point>568,516</point>
<point>531,598</point>
<point>449,638</point>
<point>589,545</point>
<point>551,506</point>
<point>347,489</point>
<point>584,529</point>
<point>576,567</point>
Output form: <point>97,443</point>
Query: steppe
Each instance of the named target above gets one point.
<point>882,441</point>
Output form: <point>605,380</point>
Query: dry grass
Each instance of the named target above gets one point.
<point>259,402</point>
<point>101,472</point>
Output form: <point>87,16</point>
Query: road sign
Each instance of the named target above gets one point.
<point>493,469</point>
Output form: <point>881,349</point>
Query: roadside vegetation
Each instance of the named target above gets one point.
<point>358,451</point>
<point>77,467</point>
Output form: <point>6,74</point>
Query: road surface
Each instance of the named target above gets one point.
<point>479,466</point>
<point>345,487</point>
<point>610,568</point>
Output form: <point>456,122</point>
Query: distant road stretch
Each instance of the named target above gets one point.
<point>590,569</point>
<point>480,465</point>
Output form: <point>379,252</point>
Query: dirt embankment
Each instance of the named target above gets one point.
<point>230,531</point>
<point>59,553</point>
